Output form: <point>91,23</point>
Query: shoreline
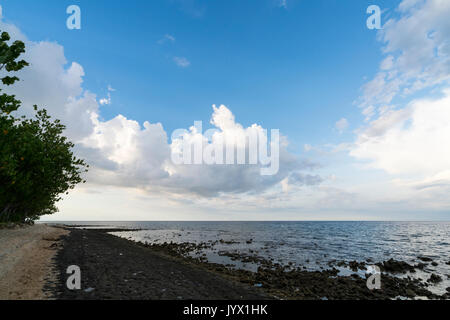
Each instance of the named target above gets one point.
<point>26,264</point>
<point>34,261</point>
<point>118,268</point>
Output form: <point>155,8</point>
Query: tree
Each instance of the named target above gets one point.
<point>37,164</point>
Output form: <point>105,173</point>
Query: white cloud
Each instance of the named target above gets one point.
<point>411,141</point>
<point>53,84</point>
<point>341,125</point>
<point>167,38</point>
<point>105,101</point>
<point>408,140</point>
<point>417,45</point>
<point>182,62</point>
<point>387,63</point>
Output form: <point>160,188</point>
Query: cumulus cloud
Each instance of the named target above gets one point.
<point>142,157</point>
<point>54,84</point>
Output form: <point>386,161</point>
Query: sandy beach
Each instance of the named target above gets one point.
<point>26,255</point>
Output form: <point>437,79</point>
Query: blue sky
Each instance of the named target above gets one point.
<point>307,60</point>
<point>350,101</point>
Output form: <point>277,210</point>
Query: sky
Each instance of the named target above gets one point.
<point>364,114</point>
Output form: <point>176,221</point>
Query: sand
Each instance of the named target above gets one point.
<point>26,255</point>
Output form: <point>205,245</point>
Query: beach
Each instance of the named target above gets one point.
<point>35,261</point>
<point>26,255</point>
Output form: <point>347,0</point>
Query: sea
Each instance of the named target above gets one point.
<point>309,244</point>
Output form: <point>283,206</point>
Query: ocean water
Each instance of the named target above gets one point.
<point>307,244</point>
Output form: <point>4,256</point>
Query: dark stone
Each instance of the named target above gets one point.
<point>395,266</point>
<point>434,278</point>
<point>426,259</point>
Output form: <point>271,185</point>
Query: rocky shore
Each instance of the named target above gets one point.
<point>116,268</point>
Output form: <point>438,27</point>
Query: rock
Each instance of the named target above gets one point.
<point>420,265</point>
<point>434,278</point>
<point>426,259</point>
<point>340,264</point>
<point>395,266</point>
<point>434,264</point>
<point>353,265</point>
<point>410,293</point>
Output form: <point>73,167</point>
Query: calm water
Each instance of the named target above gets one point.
<point>310,244</point>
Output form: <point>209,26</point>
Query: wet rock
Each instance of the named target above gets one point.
<point>227,242</point>
<point>434,264</point>
<point>434,278</point>
<point>426,259</point>
<point>410,293</point>
<point>354,265</point>
<point>420,265</point>
<point>395,266</point>
<point>341,264</point>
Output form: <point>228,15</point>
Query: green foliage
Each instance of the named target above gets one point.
<point>37,164</point>
<point>8,57</point>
